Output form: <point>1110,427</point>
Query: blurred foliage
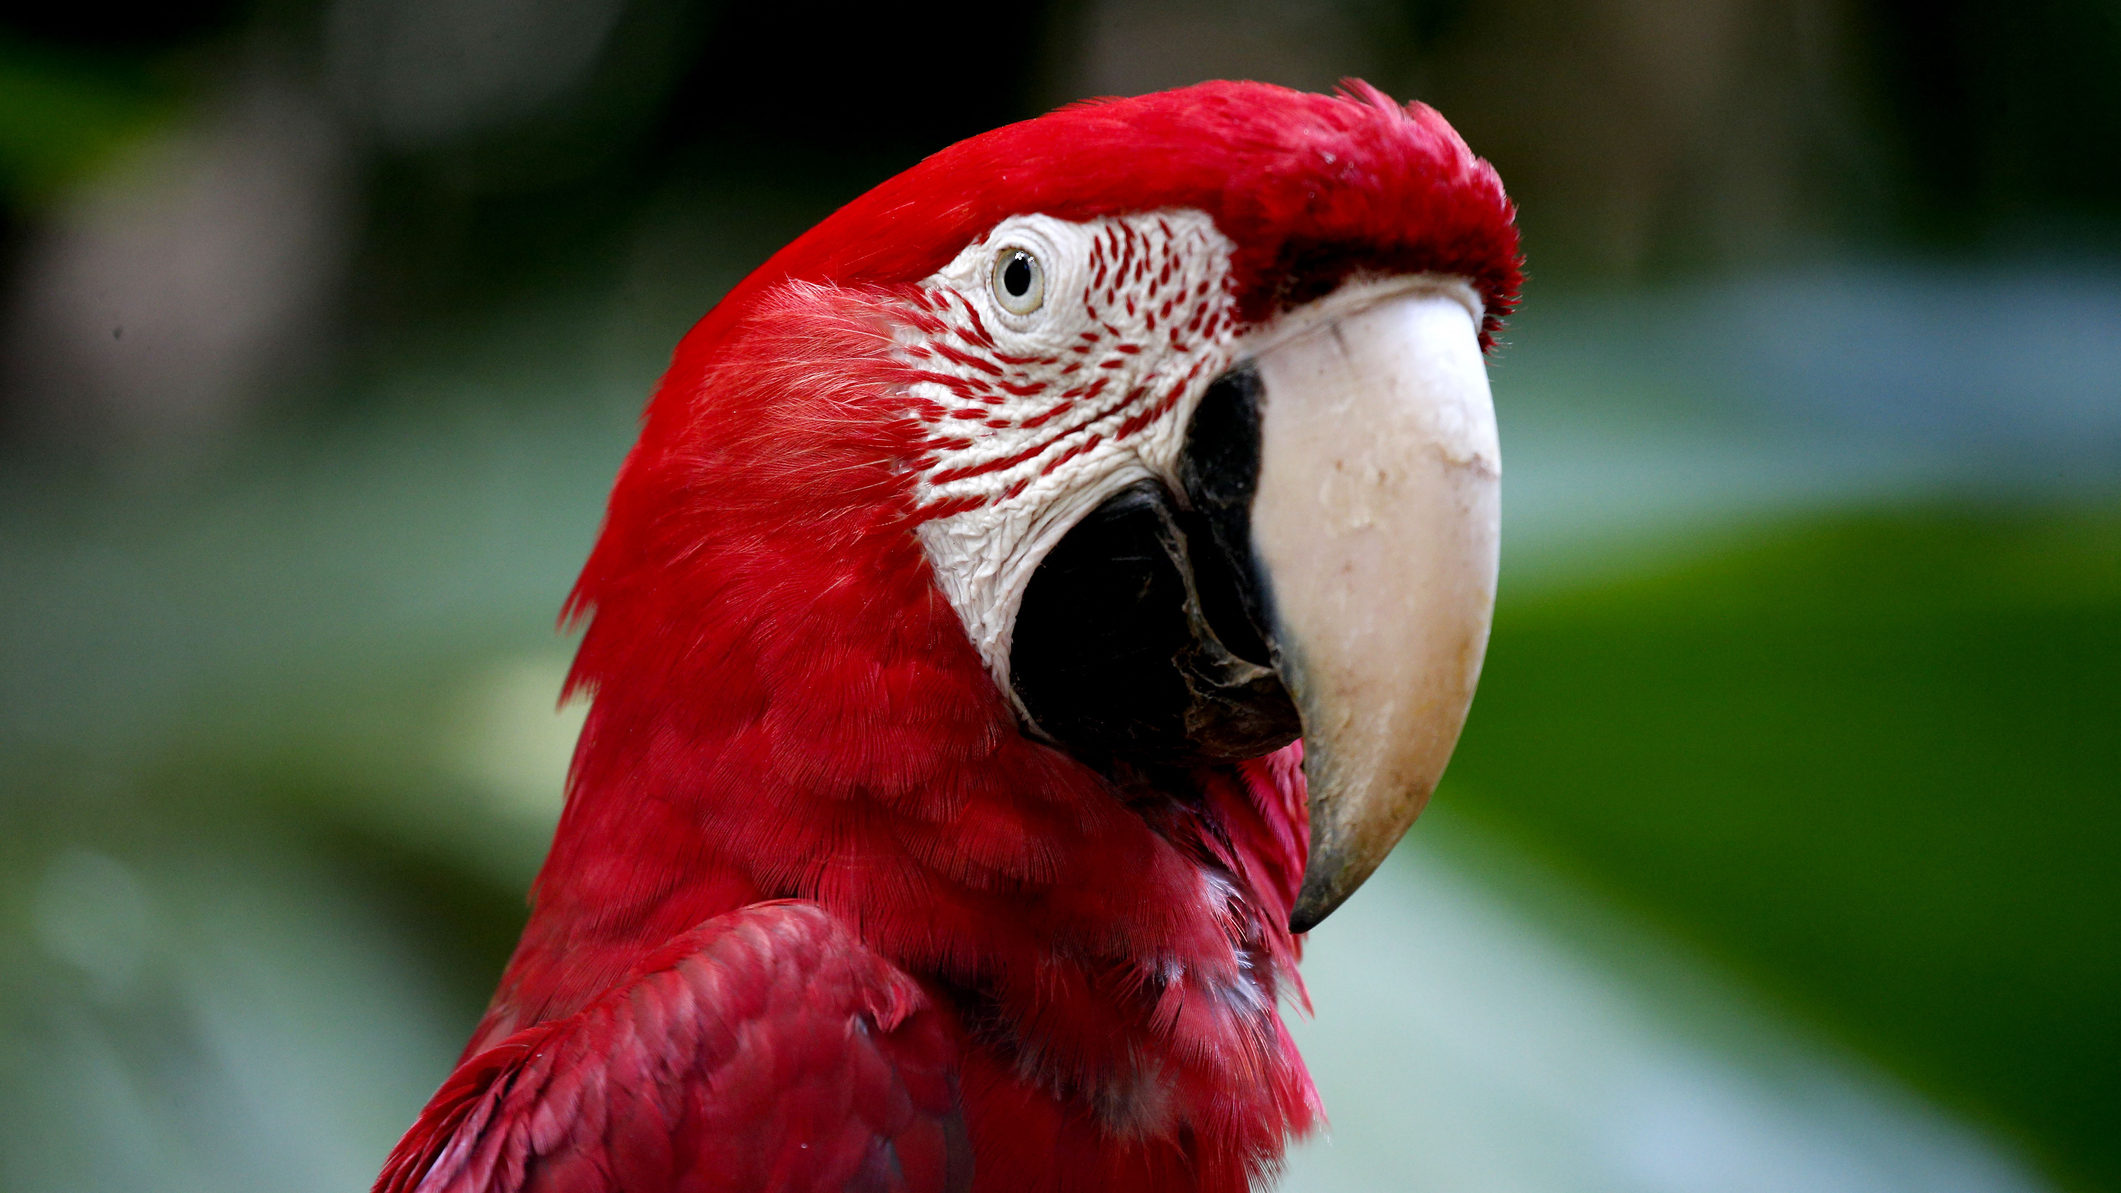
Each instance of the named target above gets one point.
<point>62,114</point>
<point>276,752</point>
<point>1639,137</point>
<point>1864,761</point>
<point>2001,107</point>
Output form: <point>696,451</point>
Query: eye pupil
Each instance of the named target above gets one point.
<point>1016,275</point>
<point>1018,280</point>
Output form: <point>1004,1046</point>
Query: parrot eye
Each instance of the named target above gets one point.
<point>1019,281</point>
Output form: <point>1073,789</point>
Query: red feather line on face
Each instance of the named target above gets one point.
<point>1137,377</point>
<point>786,706</point>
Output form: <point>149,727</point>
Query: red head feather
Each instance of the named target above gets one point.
<point>1311,187</point>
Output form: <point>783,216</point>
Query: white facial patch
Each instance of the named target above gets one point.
<point>1035,418</point>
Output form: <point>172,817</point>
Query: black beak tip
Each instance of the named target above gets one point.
<point>1303,919</point>
<point>1314,902</point>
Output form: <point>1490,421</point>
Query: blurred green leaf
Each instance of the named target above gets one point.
<point>61,114</point>
<point>1870,761</point>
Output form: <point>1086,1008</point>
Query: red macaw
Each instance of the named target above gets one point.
<point>940,821</point>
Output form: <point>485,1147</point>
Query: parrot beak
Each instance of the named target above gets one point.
<point>1377,527</point>
<point>1325,569</point>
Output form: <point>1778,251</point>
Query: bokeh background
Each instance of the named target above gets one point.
<point>1783,851</point>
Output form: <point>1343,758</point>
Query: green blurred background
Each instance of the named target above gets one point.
<point>1783,851</point>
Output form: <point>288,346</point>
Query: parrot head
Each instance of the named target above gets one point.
<point>1070,563</point>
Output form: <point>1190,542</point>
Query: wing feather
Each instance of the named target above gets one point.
<point>765,1051</point>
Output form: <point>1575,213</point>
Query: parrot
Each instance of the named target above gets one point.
<point>1038,595</point>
